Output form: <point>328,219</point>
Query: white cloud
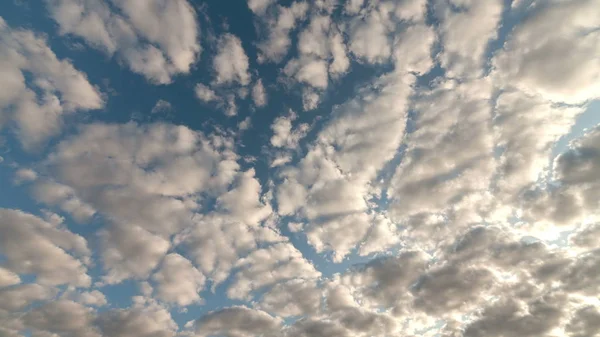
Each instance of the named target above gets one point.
<point>18,297</point>
<point>284,134</point>
<point>162,106</point>
<point>369,36</point>
<point>178,281</point>
<point>259,7</point>
<point>465,34</point>
<point>330,188</point>
<point>157,38</point>
<point>313,39</point>
<point>442,186</point>
<point>231,63</point>
<point>205,94</point>
<point>53,194</point>
<point>576,197</point>
<point>550,53</point>
<point>245,124</point>
<point>354,6</point>
<point>89,298</point>
<point>310,99</point>
<point>526,148</point>
<point>269,266</point>
<point>449,154</point>
<point>219,239</point>
<point>145,181</point>
<point>276,46</point>
<point>32,245</point>
<point>25,175</point>
<point>312,71</point>
<point>8,278</point>
<point>130,252</point>
<point>340,62</point>
<point>259,95</point>
<point>56,88</point>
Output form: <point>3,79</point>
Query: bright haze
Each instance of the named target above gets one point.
<point>299,168</point>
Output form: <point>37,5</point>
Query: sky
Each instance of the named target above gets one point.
<point>322,168</point>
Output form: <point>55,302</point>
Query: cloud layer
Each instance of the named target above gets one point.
<point>357,168</point>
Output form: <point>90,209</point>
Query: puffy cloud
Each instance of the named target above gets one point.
<point>576,197</point>
<point>259,94</point>
<point>330,188</point>
<point>537,318</point>
<point>231,63</point>
<point>310,99</point>
<point>141,320</point>
<point>157,39</point>
<point>412,49</point>
<point>525,148</point>
<point>158,168</point>
<point>269,266</point>
<point>449,154</point>
<point>32,245</point>
<point>383,235</point>
<point>322,53</point>
<point>8,278</point>
<point>219,239</point>
<point>62,317</point>
<point>372,29</point>
<point>18,297</point>
<point>369,37</point>
<point>585,322</point>
<point>237,322</point>
<point>25,175</point>
<point>383,282</point>
<point>550,53</point>
<point>130,251</point>
<point>466,28</point>
<point>354,6</point>
<point>90,298</point>
<point>205,94</point>
<point>297,297</point>
<point>312,71</point>
<point>279,26</point>
<point>586,237</point>
<point>340,62</point>
<point>56,88</point>
<point>53,193</point>
<point>178,281</point>
<point>259,7</point>
<point>442,176</point>
<point>284,135</point>
<point>145,180</point>
<point>162,106</point>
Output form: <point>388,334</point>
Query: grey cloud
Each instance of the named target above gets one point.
<point>237,322</point>
<point>585,322</point>
<point>297,297</point>
<point>62,317</point>
<point>150,321</point>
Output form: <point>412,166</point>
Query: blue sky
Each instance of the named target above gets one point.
<point>300,168</point>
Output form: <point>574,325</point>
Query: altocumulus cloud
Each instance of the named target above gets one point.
<point>302,168</point>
